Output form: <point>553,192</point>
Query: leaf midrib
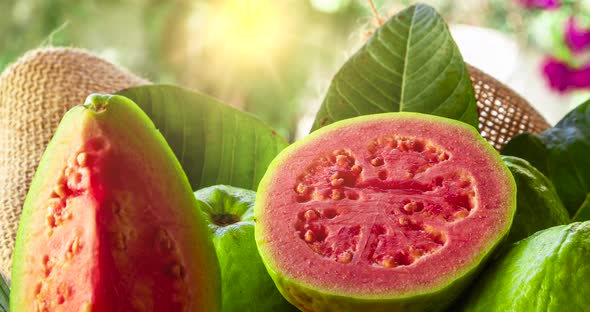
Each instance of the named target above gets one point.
<point>401,99</point>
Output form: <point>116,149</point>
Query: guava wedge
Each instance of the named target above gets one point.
<point>110,222</point>
<point>548,271</point>
<point>388,212</point>
<point>246,286</point>
<point>537,204</point>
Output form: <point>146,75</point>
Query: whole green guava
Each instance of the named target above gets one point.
<point>246,285</point>
<point>548,271</point>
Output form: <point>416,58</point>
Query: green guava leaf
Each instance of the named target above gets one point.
<point>409,64</point>
<point>4,294</point>
<point>583,213</point>
<point>562,154</point>
<point>537,204</point>
<point>214,142</point>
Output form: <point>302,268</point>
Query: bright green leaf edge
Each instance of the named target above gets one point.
<point>409,64</point>
<point>214,142</point>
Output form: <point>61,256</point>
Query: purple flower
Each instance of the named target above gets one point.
<point>563,77</point>
<point>540,4</point>
<point>576,39</point>
<point>557,73</point>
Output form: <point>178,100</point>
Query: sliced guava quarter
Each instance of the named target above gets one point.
<point>110,222</point>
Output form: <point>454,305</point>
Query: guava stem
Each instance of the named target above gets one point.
<point>378,17</point>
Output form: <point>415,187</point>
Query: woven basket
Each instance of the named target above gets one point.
<point>502,112</point>
<point>39,88</point>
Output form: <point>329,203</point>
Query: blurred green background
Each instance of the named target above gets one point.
<point>273,58</point>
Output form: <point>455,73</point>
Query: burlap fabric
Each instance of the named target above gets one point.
<point>35,92</point>
<point>502,112</point>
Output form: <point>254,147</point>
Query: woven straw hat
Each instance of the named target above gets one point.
<point>40,87</point>
<point>35,92</point>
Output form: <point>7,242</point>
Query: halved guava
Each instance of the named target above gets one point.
<point>110,222</point>
<point>385,212</point>
<point>547,272</point>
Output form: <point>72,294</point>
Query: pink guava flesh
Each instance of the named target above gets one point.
<point>384,207</point>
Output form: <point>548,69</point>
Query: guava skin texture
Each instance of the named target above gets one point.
<point>548,271</point>
<point>330,204</point>
<point>246,286</point>
<point>537,204</point>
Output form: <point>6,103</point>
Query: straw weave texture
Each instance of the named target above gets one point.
<point>502,112</point>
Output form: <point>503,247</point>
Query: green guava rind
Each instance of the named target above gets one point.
<point>537,204</point>
<point>129,117</point>
<point>548,271</point>
<point>246,285</point>
<point>308,299</point>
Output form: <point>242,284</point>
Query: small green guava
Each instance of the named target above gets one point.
<point>548,271</point>
<point>246,285</point>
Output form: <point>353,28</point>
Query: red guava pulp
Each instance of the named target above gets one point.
<point>110,222</point>
<point>384,212</point>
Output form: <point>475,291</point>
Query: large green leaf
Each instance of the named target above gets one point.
<point>410,64</point>
<point>4,294</point>
<point>215,143</point>
<point>562,153</point>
